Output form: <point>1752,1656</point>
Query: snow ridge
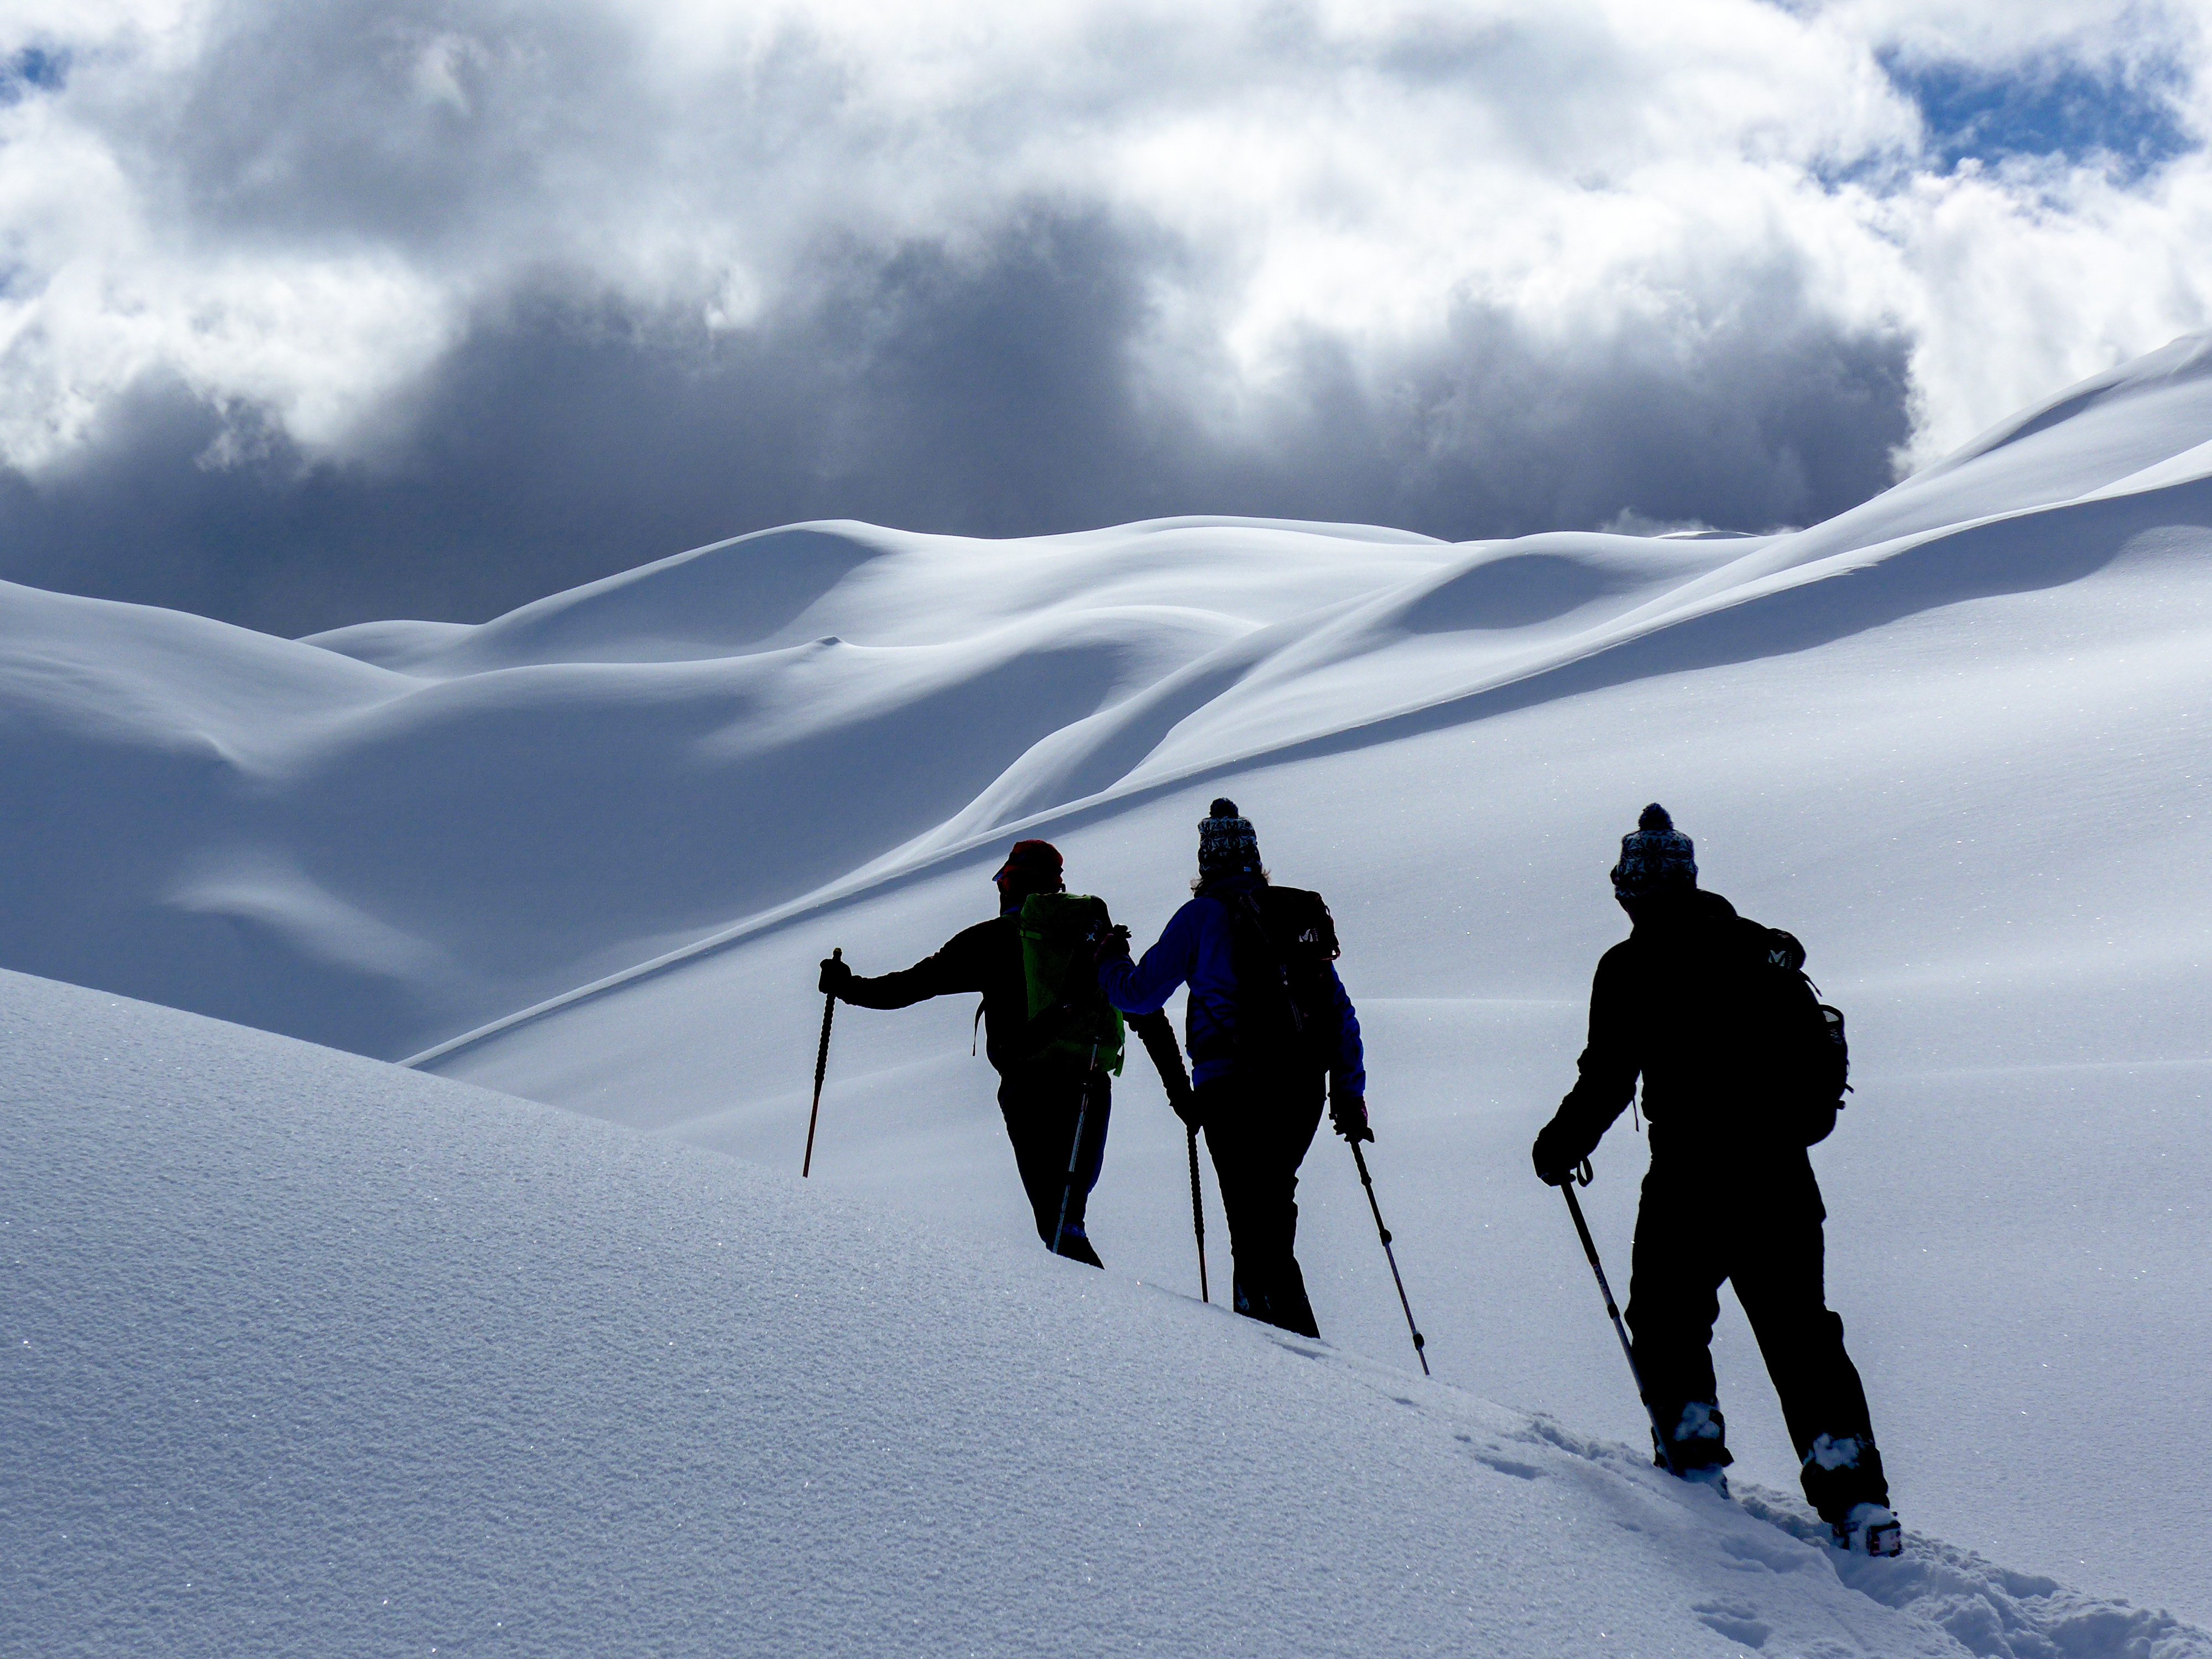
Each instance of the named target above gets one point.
<point>585,768</point>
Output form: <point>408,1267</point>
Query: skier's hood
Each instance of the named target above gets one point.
<point>1697,911</point>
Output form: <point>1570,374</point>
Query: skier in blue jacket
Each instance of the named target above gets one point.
<point>1267,1021</point>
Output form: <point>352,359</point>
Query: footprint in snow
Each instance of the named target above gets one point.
<point>1507,1466</point>
<point>1734,1620</point>
<point>1779,1551</point>
<point>1990,1611</point>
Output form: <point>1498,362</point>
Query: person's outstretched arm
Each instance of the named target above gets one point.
<point>1140,987</point>
<point>957,966</point>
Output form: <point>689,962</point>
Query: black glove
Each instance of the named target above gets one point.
<point>1557,1151</point>
<point>1348,1112</point>
<point>1113,946</point>
<point>1153,1031</point>
<point>1185,1102</point>
<point>836,974</point>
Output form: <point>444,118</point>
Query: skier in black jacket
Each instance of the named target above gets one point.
<point>1688,1000</point>
<point>1258,1082</point>
<point>1041,1096</point>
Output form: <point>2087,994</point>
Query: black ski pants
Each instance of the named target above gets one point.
<point>1258,1124</point>
<point>1759,1227</point>
<point>1043,1109</point>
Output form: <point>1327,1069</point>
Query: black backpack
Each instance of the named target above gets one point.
<point>1282,940</point>
<point>1811,1060</point>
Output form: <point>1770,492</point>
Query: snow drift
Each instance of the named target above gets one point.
<point>308,1354</point>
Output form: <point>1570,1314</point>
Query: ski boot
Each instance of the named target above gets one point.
<point>1709,1476</point>
<point>1699,1452</point>
<point>1870,1529</point>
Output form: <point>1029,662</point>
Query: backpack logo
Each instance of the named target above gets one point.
<point>1814,1059</point>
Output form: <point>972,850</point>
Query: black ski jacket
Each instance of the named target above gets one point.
<point>983,960</point>
<point>986,960</point>
<point>1687,1003</point>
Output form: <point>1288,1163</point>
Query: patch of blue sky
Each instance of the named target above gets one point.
<point>2061,111</point>
<point>31,68</point>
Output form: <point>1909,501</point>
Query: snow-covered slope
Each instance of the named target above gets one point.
<point>396,832</point>
<point>309,1354</point>
<point>1952,739</point>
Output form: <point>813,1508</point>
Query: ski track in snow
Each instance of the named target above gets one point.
<point>305,1353</point>
<point>1952,739</point>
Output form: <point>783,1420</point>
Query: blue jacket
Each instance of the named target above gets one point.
<point>1194,950</point>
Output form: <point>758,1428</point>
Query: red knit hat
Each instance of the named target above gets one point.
<point>1035,864</point>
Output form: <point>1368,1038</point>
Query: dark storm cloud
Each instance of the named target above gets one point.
<point>1009,393</point>
<point>1778,417</point>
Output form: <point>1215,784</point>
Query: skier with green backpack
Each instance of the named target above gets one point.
<point>1051,1035</point>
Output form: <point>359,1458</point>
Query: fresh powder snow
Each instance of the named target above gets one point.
<point>308,1354</point>
<point>588,852</point>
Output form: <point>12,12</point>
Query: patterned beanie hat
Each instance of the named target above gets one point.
<point>1226,843</point>
<point>1657,858</point>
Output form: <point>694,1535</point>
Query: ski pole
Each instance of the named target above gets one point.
<point>821,1069</point>
<point>1159,1037</point>
<point>1198,1219</point>
<point>1420,1342</point>
<point>1585,1176</point>
<point>1075,1151</point>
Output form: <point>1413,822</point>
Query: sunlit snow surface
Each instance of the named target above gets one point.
<point>1954,739</point>
<point>310,1355</point>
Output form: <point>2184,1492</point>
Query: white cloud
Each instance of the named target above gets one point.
<point>297,211</point>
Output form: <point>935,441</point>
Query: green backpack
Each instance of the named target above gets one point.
<point>1069,1015</point>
